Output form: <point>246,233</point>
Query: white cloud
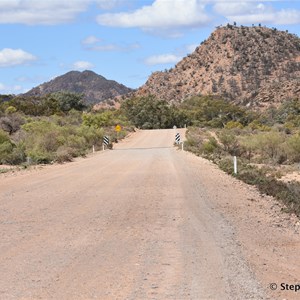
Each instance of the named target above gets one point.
<point>7,89</point>
<point>93,43</point>
<point>191,48</point>
<point>106,47</point>
<point>2,87</point>
<point>287,16</point>
<point>90,40</point>
<point>283,17</point>
<point>108,4</point>
<point>32,12</point>
<point>251,12</point>
<point>113,47</point>
<point>161,15</point>
<point>234,8</point>
<point>14,57</point>
<point>162,59</point>
<point>47,12</point>
<point>82,65</point>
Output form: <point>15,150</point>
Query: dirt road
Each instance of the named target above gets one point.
<point>143,221</point>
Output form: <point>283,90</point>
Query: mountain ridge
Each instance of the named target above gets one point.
<point>94,87</point>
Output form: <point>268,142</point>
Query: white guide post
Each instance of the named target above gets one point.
<point>235,165</point>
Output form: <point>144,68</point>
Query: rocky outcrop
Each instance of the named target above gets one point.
<point>253,66</point>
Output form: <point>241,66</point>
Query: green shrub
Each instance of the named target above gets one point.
<point>293,148</point>
<point>226,164</point>
<point>229,140</point>
<point>17,155</point>
<point>6,147</point>
<point>10,110</point>
<point>92,135</point>
<point>210,147</point>
<point>257,125</point>
<point>38,156</point>
<point>3,137</point>
<point>249,146</point>
<point>64,154</point>
<point>233,124</point>
<point>271,145</point>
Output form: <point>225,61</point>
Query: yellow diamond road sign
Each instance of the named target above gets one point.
<point>118,128</point>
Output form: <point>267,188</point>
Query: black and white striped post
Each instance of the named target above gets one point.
<point>177,138</point>
<point>105,141</point>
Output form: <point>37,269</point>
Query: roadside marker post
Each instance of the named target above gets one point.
<point>177,138</point>
<point>105,141</point>
<point>235,165</point>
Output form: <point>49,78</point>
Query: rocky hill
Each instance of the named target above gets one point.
<point>253,66</point>
<point>95,88</point>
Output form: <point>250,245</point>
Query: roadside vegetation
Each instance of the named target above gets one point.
<point>59,127</point>
<point>54,128</point>
<point>267,146</point>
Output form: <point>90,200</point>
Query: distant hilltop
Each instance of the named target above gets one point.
<point>94,87</point>
<point>252,66</point>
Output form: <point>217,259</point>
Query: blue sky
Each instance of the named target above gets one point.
<point>122,40</point>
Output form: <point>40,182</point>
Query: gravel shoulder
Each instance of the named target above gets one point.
<point>143,221</point>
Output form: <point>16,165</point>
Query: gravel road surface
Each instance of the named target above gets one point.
<point>143,221</point>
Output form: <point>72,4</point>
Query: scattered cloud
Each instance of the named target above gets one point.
<point>7,89</point>
<point>171,58</point>
<point>33,12</point>
<point>109,4</point>
<point>95,44</point>
<point>162,59</point>
<point>14,57</point>
<point>160,15</point>
<point>31,79</point>
<point>235,8</point>
<point>282,17</point>
<point>90,40</point>
<point>189,48</point>
<point>251,12</point>
<point>82,65</point>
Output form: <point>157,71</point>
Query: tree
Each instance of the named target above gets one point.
<point>149,112</point>
<point>229,141</point>
<point>68,101</point>
<point>11,123</point>
<point>214,112</point>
